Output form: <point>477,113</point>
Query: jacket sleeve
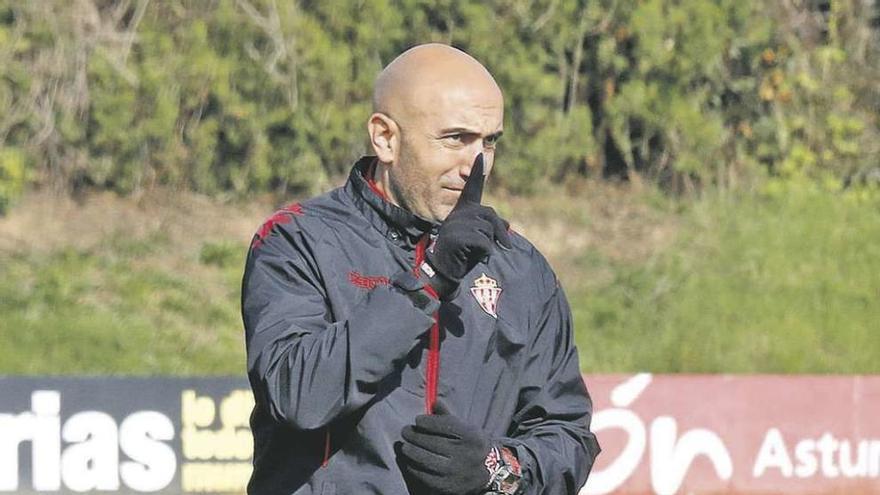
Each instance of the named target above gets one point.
<point>305,367</point>
<point>551,429</point>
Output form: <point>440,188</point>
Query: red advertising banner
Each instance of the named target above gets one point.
<point>665,434</point>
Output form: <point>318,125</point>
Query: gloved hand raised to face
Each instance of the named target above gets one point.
<point>466,237</point>
<point>444,454</point>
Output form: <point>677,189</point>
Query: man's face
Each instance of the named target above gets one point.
<point>439,142</point>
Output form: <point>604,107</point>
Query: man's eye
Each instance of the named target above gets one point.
<point>455,137</point>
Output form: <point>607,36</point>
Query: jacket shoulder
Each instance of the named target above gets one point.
<point>531,263</point>
<point>307,218</point>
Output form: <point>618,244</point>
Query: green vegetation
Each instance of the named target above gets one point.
<point>242,96</point>
<point>783,284</point>
<point>122,308</point>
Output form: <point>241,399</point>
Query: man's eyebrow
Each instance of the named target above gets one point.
<point>467,130</point>
<point>458,130</point>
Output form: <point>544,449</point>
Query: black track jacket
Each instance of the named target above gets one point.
<point>339,361</point>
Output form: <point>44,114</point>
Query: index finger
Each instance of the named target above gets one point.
<point>472,192</point>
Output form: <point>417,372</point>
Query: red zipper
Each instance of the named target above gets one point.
<point>326,448</point>
<point>432,372</point>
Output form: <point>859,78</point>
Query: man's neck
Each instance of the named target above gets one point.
<point>380,181</point>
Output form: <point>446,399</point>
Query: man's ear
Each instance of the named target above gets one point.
<point>384,137</point>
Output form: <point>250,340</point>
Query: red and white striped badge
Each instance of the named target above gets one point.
<point>487,292</point>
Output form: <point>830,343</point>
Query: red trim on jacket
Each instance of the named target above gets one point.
<point>280,217</point>
<point>370,176</point>
<point>326,448</point>
<point>432,371</point>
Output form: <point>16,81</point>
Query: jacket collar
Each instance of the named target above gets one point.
<point>397,224</point>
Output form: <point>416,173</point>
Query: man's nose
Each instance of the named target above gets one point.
<point>466,169</point>
<point>467,164</point>
<point>472,151</point>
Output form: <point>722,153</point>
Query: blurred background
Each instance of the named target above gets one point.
<point>704,175</point>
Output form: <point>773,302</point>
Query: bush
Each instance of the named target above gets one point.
<point>253,95</point>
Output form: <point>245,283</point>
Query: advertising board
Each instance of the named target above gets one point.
<point>660,434</point>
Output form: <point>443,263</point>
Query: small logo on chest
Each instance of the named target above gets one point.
<point>487,292</point>
<point>366,281</point>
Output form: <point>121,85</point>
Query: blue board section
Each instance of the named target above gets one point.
<point>124,435</point>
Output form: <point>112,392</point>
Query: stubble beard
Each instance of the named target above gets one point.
<point>410,192</point>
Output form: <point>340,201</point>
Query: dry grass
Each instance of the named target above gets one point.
<point>618,222</point>
<point>615,220</point>
<point>43,221</point>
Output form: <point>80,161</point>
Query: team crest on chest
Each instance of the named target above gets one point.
<point>487,292</point>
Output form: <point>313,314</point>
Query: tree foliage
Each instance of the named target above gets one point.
<point>235,96</point>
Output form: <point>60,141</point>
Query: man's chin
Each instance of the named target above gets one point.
<point>443,213</point>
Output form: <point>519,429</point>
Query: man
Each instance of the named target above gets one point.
<point>399,338</point>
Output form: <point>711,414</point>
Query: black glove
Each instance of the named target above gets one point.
<point>444,454</point>
<point>466,236</point>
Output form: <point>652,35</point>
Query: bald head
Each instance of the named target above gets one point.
<point>435,109</point>
<point>413,80</point>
